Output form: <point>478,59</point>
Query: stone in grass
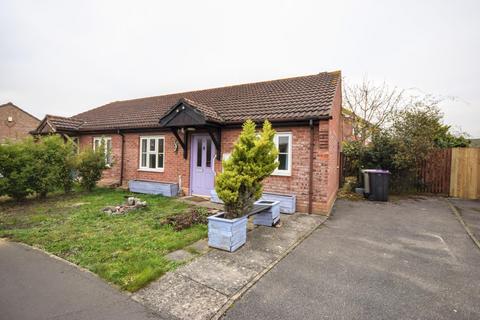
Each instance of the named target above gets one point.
<point>131,203</point>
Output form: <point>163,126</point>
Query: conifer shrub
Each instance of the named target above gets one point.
<point>254,157</point>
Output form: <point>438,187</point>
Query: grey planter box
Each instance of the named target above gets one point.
<point>153,187</point>
<point>227,234</point>
<point>268,217</point>
<point>287,202</point>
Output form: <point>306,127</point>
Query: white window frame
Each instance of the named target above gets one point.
<point>287,172</point>
<point>148,152</point>
<point>99,139</point>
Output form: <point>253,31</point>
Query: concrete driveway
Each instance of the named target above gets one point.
<point>409,259</point>
<point>34,285</point>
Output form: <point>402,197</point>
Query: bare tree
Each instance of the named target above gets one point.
<point>370,107</point>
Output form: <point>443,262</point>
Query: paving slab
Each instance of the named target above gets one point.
<point>211,282</point>
<point>248,257</point>
<point>218,272</point>
<point>201,246</point>
<point>179,255</point>
<point>178,297</point>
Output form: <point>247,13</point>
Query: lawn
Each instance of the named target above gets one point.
<point>127,250</point>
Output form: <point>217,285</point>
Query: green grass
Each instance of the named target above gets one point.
<point>127,250</point>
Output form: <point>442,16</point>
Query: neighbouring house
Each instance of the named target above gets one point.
<point>475,143</point>
<point>347,125</point>
<point>15,123</point>
<point>181,138</point>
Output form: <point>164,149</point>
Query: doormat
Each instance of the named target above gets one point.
<point>196,199</point>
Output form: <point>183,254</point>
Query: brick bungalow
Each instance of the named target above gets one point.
<point>15,123</point>
<point>182,138</point>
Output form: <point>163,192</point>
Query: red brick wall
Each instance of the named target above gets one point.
<point>21,125</point>
<point>334,145</point>
<point>297,183</point>
<point>175,167</point>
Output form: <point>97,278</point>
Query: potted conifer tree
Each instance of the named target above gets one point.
<point>240,184</point>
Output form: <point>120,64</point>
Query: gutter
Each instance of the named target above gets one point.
<point>122,156</point>
<point>226,125</point>
<point>310,170</point>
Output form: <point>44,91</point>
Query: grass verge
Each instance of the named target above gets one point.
<point>127,250</point>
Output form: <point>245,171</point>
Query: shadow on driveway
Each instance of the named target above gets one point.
<point>409,259</point>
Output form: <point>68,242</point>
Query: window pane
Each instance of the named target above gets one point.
<point>160,160</point>
<point>209,154</point>
<point>283,144</point>
<point>152,160</point>
<point>144,159</point>
<point>144,145</point>
<point>152,144</point>
<point>95,144</point>
<point>160,145</point>
<point>283,162</point>
<point>199,153</point>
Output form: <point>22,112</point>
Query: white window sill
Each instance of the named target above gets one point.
<point>282,174</point>
<point>150,170</point>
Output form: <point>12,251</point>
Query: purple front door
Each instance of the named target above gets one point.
<point>202,160</point>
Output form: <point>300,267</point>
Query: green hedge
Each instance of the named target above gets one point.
<point>39,166</point>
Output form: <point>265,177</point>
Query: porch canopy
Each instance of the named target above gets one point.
<point>188,116</point>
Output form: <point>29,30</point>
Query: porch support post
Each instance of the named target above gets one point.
<point>217,141</point>
<point>183,143</point>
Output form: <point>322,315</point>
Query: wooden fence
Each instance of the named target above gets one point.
<point>434,174</point>
<point>465,173</point>
<point>454,172</point>
<point>450,172</point>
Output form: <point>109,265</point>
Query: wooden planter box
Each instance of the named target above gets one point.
<point>227,234</point>
<point>267,217</point>
<point>153,187</point>
<point>287,202</point>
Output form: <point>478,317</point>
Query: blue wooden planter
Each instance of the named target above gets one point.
<point>227,234</point>
<point>153,187</point>
<point>287,202</point>
<point>267,217</point>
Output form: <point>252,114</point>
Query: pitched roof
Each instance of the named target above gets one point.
<point>288,99</point>
<point>52,123</point>
<point>63,123</point>
<point>14,106</point>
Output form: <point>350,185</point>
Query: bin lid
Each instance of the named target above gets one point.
<point>376,171</point>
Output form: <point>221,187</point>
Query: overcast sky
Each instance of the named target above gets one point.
<point>65,57</point>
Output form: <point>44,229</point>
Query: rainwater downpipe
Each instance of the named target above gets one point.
<point>121,156</point>
<point>310,170</point>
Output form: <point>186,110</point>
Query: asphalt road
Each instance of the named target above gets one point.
<point>410,259</point>
<point>34,285</point>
